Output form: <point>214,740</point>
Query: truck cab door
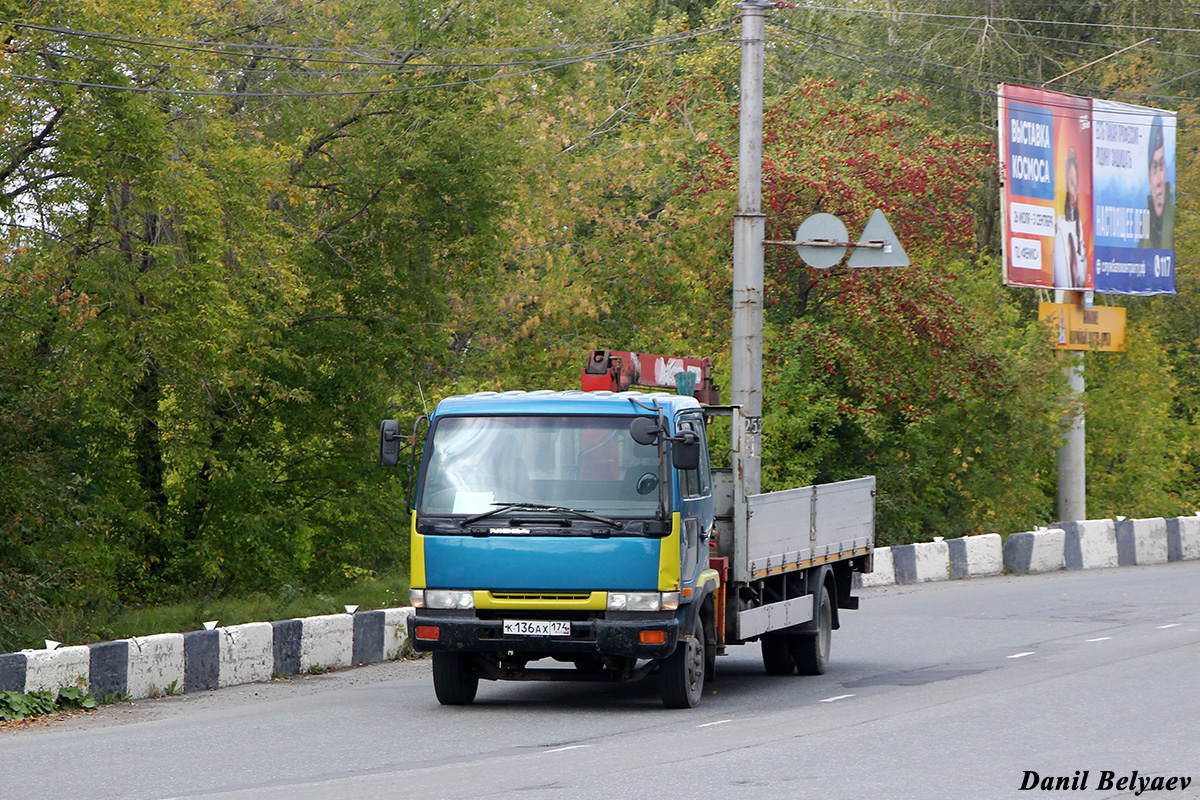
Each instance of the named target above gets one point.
<point>696,504</point>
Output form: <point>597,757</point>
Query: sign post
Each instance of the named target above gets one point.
<point>1072,455</point>
<point>1087,203</point>
<point>821,243</point>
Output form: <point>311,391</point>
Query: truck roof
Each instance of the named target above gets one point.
<point>571,402</point>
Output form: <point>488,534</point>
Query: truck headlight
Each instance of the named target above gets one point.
<point>643,601</point>
<point>416,598</point>
<point>449,598</point>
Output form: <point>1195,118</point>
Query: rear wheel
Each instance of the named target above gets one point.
<point>455,680</point>
<point>811,650</point>
<point>777,654</point>
<point>683,671</point>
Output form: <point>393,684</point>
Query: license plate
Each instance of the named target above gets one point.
<point>535,627</point>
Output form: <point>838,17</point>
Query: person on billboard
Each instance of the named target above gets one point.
<point>1160,228</point>
<point>1070,253</point>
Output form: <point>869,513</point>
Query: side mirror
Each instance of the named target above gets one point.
<point>685,454</point>
<point>389,443</point>
<point>644,430</point>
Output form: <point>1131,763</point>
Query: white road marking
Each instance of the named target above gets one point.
<point>568,747</point>
<point>835,699</point>
<point>1020,655</point>
<point>1101,639</point>
<point>718,722</point>
<point>1164,627</point>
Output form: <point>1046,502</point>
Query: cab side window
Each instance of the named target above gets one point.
<point>694,482</point>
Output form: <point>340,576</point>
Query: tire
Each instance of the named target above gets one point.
<point>682,672</point>
<point>455,680</point>
<point>811,650</point>
<point>777,654</point>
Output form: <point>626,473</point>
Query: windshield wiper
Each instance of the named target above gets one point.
<point>502,507</point>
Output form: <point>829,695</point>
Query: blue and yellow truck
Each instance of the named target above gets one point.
<point>586,535</point>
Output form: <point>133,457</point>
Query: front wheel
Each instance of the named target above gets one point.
<point>811,650</point>
<point>683,671</point>
<point>455,680</point>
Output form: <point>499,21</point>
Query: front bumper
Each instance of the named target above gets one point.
<point>607,637</point>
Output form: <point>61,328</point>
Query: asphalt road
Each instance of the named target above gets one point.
<point>953,690</point>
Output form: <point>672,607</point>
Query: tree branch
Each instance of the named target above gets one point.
<point>360,114</point>
<point>326,317</point>
<point>35,143</point>
<point>30,184</point>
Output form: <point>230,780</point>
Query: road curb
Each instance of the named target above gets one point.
<point>884,573</point>
<point>1090,544</point>
<point>172,663</point>
<point>1141,541</point>
<point>922,562</point>
<point>1032,552</point>
<point>1183,538</point>
<point>976,556</point>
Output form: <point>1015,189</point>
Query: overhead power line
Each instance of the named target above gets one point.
<point>872,58</point>
<point>374,68</point>
<point>880,63</point>
<point>223,48</point>
<point>974,26</point>
<point>609,51</point>
<point>864,55</point>
<point>1016,21</point>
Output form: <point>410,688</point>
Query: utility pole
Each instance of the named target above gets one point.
<point>749,227</point>
<point>1072,456</point>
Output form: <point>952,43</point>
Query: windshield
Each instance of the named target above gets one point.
<point>586,463</point>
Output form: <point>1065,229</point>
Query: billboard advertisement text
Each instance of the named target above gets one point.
<point>1046,143</point>
<point>1089,193</point>
<point>1133,185</point>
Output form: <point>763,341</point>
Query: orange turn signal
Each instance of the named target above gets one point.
<point>652,637</point>
<point>430,632</point>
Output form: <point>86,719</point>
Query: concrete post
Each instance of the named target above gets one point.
<point>749,228</point>
<point>1072,474</point>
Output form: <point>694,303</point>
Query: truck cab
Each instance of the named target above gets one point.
<point>572,526</point>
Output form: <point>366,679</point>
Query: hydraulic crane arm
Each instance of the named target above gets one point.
<point>618,370</point>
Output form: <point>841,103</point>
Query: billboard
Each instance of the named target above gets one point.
<point>1046,147</point>
<point>1088,193</point>
<point>1133,185</point>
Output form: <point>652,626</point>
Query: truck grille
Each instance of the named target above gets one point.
<point>520,596</point>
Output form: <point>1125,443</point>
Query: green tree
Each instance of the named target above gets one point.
<point>229,286</point>
<point>1136,447</point>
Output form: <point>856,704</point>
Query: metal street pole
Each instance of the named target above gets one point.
<point>749,228</point>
